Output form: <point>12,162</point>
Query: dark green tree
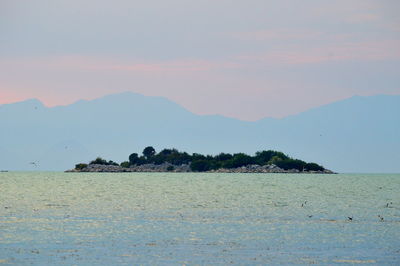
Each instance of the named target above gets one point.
<point>167,152</point>
<point>314,167</point>
<point>200,165</point>
<point>263,157</point>
<point>134,159</point>
<point>288,164</point>
<point>149,152</point>
<point>198,156</point>
<point>80,166</point>
<point>238,160</point>
<point>223,157</point>
<point>99,160</point>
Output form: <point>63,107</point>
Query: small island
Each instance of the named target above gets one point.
<point>172,160</point>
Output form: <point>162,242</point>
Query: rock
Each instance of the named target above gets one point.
<point>168,167</point>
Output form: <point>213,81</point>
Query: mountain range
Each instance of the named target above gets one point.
<point>358,134</point>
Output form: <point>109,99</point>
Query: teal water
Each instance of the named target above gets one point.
<point>196,218</point>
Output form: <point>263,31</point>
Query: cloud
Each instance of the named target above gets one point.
<point>174,66</point>
<point>361,51</point>
<point>362,18</point>
<point>91,63</point>
<point>8,96</point>
<point>278,34</point>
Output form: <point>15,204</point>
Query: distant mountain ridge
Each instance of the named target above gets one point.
<point>358,134</point>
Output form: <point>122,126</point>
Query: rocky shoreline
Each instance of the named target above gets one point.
<point>185,168</point>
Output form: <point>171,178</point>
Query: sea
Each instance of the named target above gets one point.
<point>54,218</point>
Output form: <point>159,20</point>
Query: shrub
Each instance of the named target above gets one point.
<point>238,160</point>
<point>314,167</point>
<point>80,166</point>
<point>223,157</point>
<point>288,164</point>
<point>125,164</point>
<point>99,160</point>
<point>112,163</point>
<point>200,165</point>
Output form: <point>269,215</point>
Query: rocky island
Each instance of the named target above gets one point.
<point>172,160</point>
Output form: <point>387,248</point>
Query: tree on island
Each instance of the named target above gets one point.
<point>134,159</point>
<point>100,160</point>
<point>80,166</point>
<point>149,152</point>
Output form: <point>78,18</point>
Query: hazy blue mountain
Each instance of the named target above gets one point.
<point>359,134</point>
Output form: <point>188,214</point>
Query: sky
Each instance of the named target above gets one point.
<point>244,59</point>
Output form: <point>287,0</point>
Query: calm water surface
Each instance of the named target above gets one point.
<point>176,218</point>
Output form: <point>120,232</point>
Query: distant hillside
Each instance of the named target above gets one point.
<point>359,134</point>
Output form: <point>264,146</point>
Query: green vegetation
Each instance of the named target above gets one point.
<point>149,152</point>
<point>80,166</point>
<point>125,164</point>
<point>99,160</point>
<point>201,163</point>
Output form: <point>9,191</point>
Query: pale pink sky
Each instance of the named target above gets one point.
<point>247,60</point>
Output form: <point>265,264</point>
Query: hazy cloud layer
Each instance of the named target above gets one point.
<point>246,59</point>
